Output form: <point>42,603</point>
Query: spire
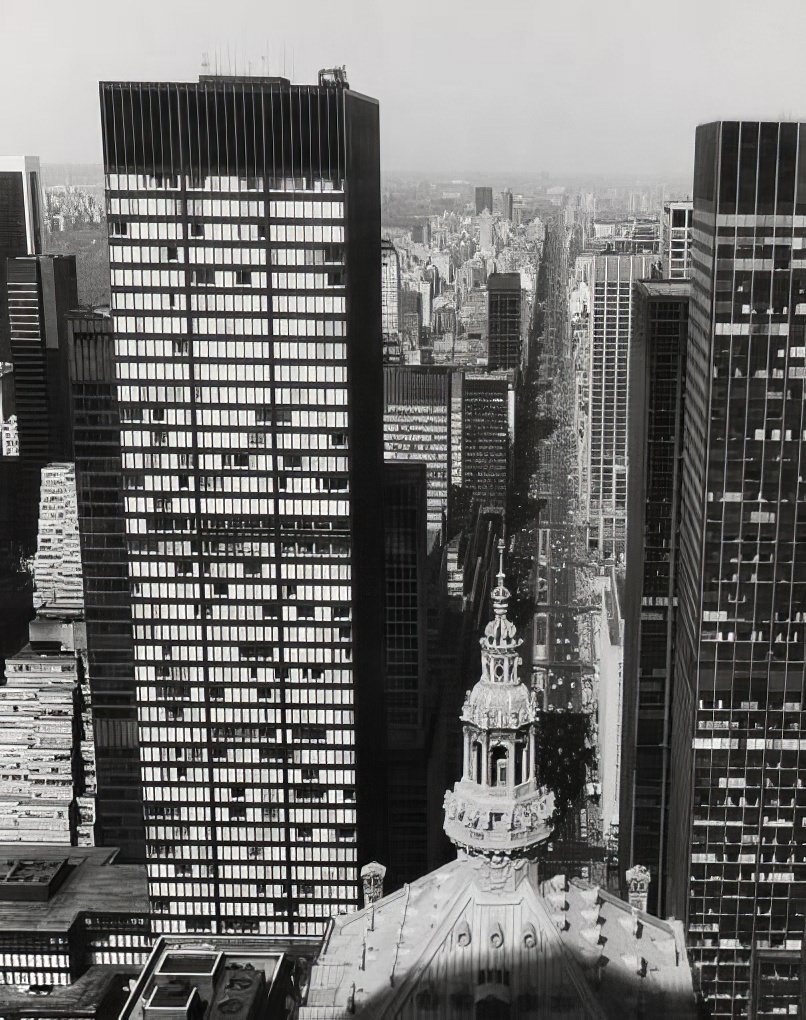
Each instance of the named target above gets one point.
<point>497,809</point>
<point>500,642</point>
<point>500,594</point>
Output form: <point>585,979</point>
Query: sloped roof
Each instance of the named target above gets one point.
<point>469,932</point>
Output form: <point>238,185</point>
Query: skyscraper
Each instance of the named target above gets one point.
<point>95,421</point>
<point>484,200</point>
<point>654,450</point>
<point>20,223</point>
<point>41,290</point>
<point>675,240</point>
<point>460,425</point>
<point>737,853</point>
<point>390,300</point>
<point>609,323</point>
<point>244,224</point>
<point>419,426</point>
<point>487,421</point>
<point>507,202</point>
<point>408,731</point>
<point>504,320</point>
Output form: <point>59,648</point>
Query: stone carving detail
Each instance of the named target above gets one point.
<point>496,709</point>
<point>497,936</point>
<point>463,937</point>
<point>372,876</point>
<point>638,879</point>
<point>529,936</point>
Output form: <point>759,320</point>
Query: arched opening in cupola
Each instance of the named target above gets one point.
<point>476,762</point>
<point>521,760</point>
<point>499,763</point>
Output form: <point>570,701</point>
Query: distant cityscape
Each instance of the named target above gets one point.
<point>402,580</point>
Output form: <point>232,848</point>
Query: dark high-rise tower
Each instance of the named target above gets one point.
<point>95,419</point>
<point>486,434</point>
<point>41,290</point>
<point>504,320</point>
<point>408,728</point>
<point>507,204</point>
<point>484,200</point>
<point>654,450</point>
<point>20,224</point>
<point>737,852</point>
<point>244,222</point>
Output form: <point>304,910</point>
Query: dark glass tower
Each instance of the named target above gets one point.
<point>406,647</point>
<point>41,290</point>
<point>737,848</point>
<point>244,222</point>
<point>20,224</point>
<point>423,423</point>
<point>504,320</point>
<point>95,421</point>
<point>485,438</point>
<point>654,450</point>
<point>20,234</point>
<point>484,199</point>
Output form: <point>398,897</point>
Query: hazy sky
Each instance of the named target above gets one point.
<point>583,86</point>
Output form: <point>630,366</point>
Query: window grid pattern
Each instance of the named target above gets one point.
<point>657,361</point>
<point>610,323</point>
<point>738,823</point>
<point>240,550</point>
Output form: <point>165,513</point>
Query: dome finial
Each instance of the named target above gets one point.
<point>501,548</point>
<point>500,595</point>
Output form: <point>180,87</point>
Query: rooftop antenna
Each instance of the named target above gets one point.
<point>205,63</point>
<point>284,60</point>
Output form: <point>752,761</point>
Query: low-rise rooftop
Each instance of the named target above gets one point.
<point>79,880</point>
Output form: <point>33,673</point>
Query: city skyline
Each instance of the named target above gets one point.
<point>529,67</point>
<point>403,573</point>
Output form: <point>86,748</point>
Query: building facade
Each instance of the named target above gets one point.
<point>244,229</point>
<point>95,421</point>
<point>460,424</point>
<point>20,224</point>
<point>41,290</point>
<point>610,324</point>
<point>407,704</point>
<point>487,413</point>
<point>390,301</point>
<point>484,200</point>
<point>654,450</point>
<point>418,426</point>
<point>738,800</point>
<point>504,320</point>
<point>47,754</point>
<point>507,204</point>
<point>675,240</point>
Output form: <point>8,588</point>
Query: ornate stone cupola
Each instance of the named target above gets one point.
<point>497,808</point>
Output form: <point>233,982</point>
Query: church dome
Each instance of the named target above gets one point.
<point>499,706</point>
